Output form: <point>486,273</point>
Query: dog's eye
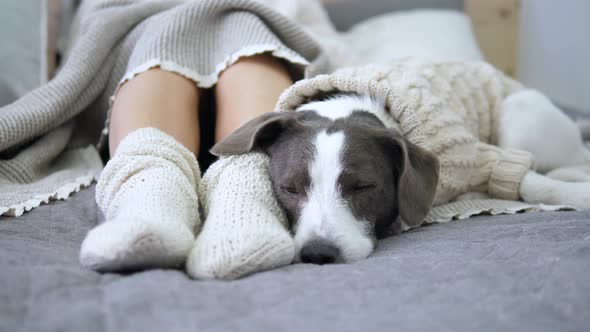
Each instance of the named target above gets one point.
<point>290,190</point>
<point>363,187</point>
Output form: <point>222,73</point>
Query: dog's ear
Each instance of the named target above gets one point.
<point>255,134</point>
<point>417,179</point>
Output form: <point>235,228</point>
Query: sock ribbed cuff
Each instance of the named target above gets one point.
<point>140,150</point>
<point>154,141</point>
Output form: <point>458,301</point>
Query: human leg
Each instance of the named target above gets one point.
<point>159,99</point>
<point>245,230</point>
<point>147,191</point>
<point>247,89</point>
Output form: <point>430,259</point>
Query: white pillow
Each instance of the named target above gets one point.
<point>433,35</point>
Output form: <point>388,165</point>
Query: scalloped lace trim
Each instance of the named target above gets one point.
<point>62,193</point>
<point>207,81</point>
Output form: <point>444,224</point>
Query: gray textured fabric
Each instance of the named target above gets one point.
<point>521,273</point>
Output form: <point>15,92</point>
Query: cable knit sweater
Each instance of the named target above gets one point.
<point>450,109</point>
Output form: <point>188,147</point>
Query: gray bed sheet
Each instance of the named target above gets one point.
<point>527,272</point>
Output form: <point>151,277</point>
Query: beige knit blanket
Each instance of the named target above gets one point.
<point>48,137</point>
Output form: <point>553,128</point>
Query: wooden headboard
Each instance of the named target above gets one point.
<point>496,26</point>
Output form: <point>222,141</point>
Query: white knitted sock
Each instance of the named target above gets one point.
<point>245,230</point>
<point>148,194</point>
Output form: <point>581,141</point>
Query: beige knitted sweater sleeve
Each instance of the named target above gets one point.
<point>450,109</point>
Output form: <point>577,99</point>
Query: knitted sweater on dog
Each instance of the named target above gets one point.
<point>451,109</point>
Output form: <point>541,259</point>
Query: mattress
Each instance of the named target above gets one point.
<point>525,272</point>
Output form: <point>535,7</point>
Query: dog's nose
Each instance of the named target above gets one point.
<point>319,252</point>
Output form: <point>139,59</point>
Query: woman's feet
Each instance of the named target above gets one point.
<point>245,230</point>
<point>147,192</point>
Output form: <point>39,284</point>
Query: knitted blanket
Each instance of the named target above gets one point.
<point>48,137</point>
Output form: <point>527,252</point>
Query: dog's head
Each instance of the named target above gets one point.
<point>342,177</point>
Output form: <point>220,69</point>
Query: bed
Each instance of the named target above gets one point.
<point>526,272</point>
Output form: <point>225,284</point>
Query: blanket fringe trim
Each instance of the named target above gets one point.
<point>61,193</point>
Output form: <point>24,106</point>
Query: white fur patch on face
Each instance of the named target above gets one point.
<point>342,106</point>
<point>325,214</point>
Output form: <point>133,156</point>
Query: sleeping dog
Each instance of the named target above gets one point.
<point>343,172</point>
